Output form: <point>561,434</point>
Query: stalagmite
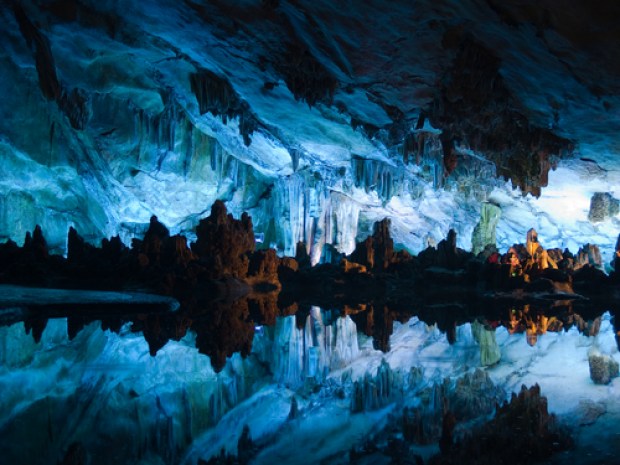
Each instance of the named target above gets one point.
<point>485,231</point>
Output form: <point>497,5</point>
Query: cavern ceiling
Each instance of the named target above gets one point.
<point>323,115</point>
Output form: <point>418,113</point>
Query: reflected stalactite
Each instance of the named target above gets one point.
<point>75,324</point>
<point>36,326</point>
<point>225,328</point>
<point>523,424</point>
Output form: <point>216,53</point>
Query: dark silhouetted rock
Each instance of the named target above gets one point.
<point>263,267</point>
<point>445,404</point>
<point>615,263</point>
<point>36,326</point>
<point>472,90</point>
<point>175,252</point>
<point>75,455</point>
<point>224,243</point>
<point>76,246</point>
<point>377,251</point>
<point>154,240</point>
<point>522,432</point>
<point>588,278</point>
<point>245,446</point>
<point>446,255</point>
<point>301,255</point>
<point>223,329</point>
<point>36,244</point>
<point>294,411</point>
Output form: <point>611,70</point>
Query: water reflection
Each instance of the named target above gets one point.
<point>306,369</point>
<point>223,328</point>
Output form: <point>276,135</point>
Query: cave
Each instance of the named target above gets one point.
<point>309,232</point>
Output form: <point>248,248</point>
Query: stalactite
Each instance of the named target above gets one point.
<point>305,76</point>
<point>295,155</point>
<point>311,210</point>
<point>73,103</point>
<point>472,93</point>
<point>215,95</point>
<point>376,176</point>
<point>190,148</point>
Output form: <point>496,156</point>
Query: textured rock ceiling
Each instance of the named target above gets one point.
<point>286,86</point>
<point>371,64</point>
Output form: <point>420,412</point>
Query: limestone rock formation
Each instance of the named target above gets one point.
<point>225,243</point>
<point>602,207</point>
<point>373,392</point>
<point>245,446</point>
<point>473,395</point>
<point>590,411</point>
<point>450,94</point>
<point>446,404</point>
<point>603,368</point>
<point>76,455</point>
<point>484,232</point>
<point>154,239</point>
<point>352,267</point>
<point>263,267</point>
<point>36,244</point>
<point>256,287</point>
<point>588,255</point>
<point>490,353</point>
<point>538,257</point>
<point>377,251</point>
<point>522,432</point>
<point>475,88</point>
<point>447,255</point>
<point>615,263</point>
